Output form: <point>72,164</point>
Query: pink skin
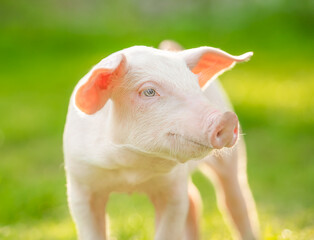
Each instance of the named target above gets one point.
<point>222,131</point>
<point>144,143</point>
<point>200,126</point>
<point>204,124</point>
<point>203,127</point>
<point>191,125</point>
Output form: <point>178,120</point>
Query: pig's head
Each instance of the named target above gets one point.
<point>157,103</point>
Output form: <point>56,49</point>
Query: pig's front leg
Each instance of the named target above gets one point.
<point>88,211</point>
<point>171,206</point>
<point>227,169</point>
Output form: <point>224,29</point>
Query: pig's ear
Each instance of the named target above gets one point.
<point>210,62</point>
<point>92,95</point>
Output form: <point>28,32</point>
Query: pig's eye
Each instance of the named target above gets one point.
<point>149,92</point>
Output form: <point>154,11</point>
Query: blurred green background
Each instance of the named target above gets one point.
<point>47,46</point>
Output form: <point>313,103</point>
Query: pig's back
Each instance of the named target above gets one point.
<point>217,96</point>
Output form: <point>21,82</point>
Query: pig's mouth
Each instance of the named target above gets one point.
<point>204,145</point>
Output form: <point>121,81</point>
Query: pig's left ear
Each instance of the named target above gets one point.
<point>93,94</point>
<point>210,62</point>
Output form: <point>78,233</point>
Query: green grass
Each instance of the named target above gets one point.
<point>272,95</point>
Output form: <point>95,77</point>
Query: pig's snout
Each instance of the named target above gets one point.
<point>225,131</point>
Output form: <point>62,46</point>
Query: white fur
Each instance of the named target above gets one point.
<point>126,146</point>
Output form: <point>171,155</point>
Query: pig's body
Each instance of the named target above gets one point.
<point>100,158</point>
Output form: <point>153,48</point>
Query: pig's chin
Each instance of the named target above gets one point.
<point>185,149</point>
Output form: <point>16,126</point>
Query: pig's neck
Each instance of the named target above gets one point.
<point>129,156</point>
<point>132,165</point>
<point>113,156</point>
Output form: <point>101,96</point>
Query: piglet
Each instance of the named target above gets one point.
<point>142,120</point>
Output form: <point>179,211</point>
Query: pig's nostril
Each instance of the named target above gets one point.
<point>219,133</point>
<point>218,139</point>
